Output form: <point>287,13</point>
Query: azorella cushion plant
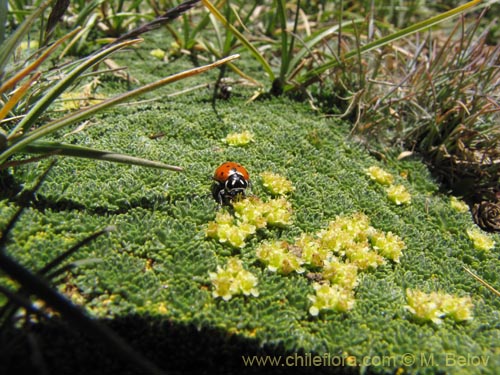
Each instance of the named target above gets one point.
<point>320,258</point>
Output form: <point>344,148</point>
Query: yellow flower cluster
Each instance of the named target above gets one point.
<point>276,184</point>
<point>387,244</point>
<point>158,53</point>
<point>250,214</point>
<point>279,256</point>
<point>480,240</point>
<point>436,305</point>
<point>233,280</point>
<point>238,139</point>
<point>380,176</point>
<point>458,205</point>
<point>332,297</point>
<point>396,193</point>
<point>346,247</point>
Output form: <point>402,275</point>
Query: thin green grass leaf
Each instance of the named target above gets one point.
<point>71,266</point>
<point>391,38</point>
<point>72,118</point>
<point>231,66</point>
<point>168,16</point>
<point>249,46</point>
<point>35,64</point>
<point>77,317</point>
<point>58,10</point>
<point>488,286</point>
<point>315,39</point>
<point>4,6</point>
<point>8,47</point>
<point>90,153</point>
<point>18,94</point>
<point>57,261</point>
<point>285,57</point>
<point>35,112</point>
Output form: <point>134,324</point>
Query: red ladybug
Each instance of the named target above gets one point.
<point>230,181</point>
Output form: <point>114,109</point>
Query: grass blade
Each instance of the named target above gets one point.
<point>18,94</point>
<point>73,314</point>
<point>170,15</point>
<point>75,117</point>
<point>35,64</point>
<point>52,94</point>
<point>4,6</point>
<point>285,57</point>
<point>488,286</point>
<point>58,10</point>
<point>317,38</point>
<point>8,47</point>
<point>231,66</point>
<point>90,153</point>
<point>17,300</point>
<point>73,249</point>
<point>249,46</point>
<point>391,38</point>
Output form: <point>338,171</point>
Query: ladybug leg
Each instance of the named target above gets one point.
<point>220,197</point>
<point>217,191</point>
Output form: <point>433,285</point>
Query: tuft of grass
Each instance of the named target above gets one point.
<point>24,135</point>
<point>444,106</point>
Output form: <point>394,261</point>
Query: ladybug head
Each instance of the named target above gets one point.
<point>233,187</point>
<point>235,184</point>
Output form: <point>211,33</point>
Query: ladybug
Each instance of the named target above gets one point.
<point>230,181</point>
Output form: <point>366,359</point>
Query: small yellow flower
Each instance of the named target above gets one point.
<point>398,194</point>
<point>232,234</point>
<point>251,214</point>
<point>278,212</point>
<point>481,240</point>
<point>278,258</point>
<point>331,297</point>
<point>224,217</point>
<point>340,273</point>
<point>158,53</point>
<point>311,250</point>
<point>74,100</point>
<point>436,305</point>
<point>247,283</point>
<point>457,308</point>
<point>335,239</point>
<point>251,211</point>
<point>32,44</point>
<point>211,230</point>
<point>225,229</point>
<point>71,100</point>
<point>458,205</point>
<point>380,176</point>
<point>162,308</point>
<point>363,257</point>
<point>424,306</point>
<point>238,139</point>
<point>233,280</point>
<point>276,184</point>
<point>388,245</point>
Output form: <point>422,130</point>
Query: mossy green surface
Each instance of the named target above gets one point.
<point>156,265</point>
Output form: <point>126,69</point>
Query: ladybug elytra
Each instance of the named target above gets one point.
<point>230,181</point>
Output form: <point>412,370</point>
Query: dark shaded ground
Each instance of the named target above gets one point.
<point>54,348</point>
